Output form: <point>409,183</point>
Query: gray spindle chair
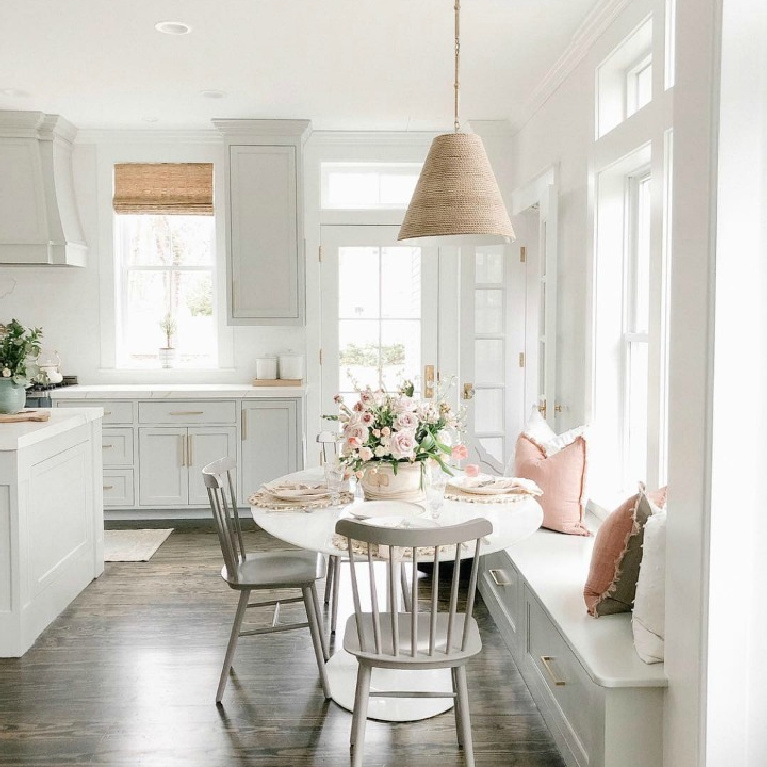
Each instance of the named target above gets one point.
<point>427,637</point>
<point>262,572</point>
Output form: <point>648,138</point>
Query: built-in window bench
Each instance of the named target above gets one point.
<point>603,705</point>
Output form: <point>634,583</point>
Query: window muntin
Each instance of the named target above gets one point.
<point>166,266</point>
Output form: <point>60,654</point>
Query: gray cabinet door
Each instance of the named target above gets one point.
<point>162,467</point>
<point>264,266</point>
<point>271,442</point>
<point>204,445</point>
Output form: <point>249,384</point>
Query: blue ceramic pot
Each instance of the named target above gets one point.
<point>13,396</point>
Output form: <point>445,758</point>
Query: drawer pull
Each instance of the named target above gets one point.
<point>243,425</point>
<point>104,447</point>
<point>557,681</point>
<point>108,487</point>
<point>107,412</point>
<point>500,578</point>
<point>187,412</point>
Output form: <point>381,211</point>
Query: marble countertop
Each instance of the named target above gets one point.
<point>15,436</point>
<point>176,391</point>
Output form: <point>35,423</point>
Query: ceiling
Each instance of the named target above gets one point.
<point>344,64</point>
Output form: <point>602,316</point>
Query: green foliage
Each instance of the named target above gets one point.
<point>168,327</point>
<point>200,299</point>
<point>367,355</point>
<point>18,346</point>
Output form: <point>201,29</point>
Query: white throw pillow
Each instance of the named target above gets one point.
<point>648,619</point>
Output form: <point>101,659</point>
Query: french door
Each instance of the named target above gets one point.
<point>379,312</point>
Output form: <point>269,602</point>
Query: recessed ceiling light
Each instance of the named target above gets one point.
<point>173,27</point>
<point>13,92</point>
<point>213,94</point>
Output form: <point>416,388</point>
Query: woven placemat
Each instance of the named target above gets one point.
<point>456,494</point>
<point>264,500</point>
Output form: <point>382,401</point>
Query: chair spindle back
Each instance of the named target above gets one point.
<point>219,482</point>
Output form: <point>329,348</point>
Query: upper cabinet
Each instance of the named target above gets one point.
<point>264,222</point>
<point>39,223</point>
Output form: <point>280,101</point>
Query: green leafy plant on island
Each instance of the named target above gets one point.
<point>19,347</point>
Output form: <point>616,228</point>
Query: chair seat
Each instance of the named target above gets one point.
<point>352,644</point>
<point>277,569</point>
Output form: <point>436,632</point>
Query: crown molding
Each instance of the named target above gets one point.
<point>591,29</point>
<point>372,138</point>
<point>148,136</point>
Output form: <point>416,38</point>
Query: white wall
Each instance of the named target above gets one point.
<point>74,305</point>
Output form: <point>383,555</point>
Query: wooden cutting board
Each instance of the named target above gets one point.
<point>27,415</point>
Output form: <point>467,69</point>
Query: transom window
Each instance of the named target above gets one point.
<point>368,186</point>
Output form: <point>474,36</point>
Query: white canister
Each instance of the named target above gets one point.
<point>291,366</point>
<point>266,368</point>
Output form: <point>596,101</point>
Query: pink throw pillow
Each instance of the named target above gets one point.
<point>561,476</point>
<point>617,554</point>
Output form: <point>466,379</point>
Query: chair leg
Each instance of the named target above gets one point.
<point>318,614</point>
<point>360,714</point>
<point>315,630</point>
<point>457,707</point>
<point>332,562</point>
<point>238,617</point>
<point>463,697</point>
<point>334,603</point>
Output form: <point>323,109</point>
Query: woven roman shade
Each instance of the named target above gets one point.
<point>181,189</point>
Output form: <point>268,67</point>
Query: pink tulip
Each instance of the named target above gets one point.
<point>472,470</point>
<point>459,452</point>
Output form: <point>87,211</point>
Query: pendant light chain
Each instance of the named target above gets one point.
<point>457,85</point>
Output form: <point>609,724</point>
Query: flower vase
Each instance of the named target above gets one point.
<point>380,483</point>
<point>13,396</point>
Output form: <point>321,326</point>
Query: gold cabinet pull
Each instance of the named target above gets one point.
<point>187,412</point>
<point>468,391</point>
<point>189,450</point>
<point>500,578</point>
<point>107,412</point>
<point>428,381</point>
<point>108,487</point>
<point>183,450</point>
<point>243,425</point>
<point>104,447</point>
<point>546,659</point>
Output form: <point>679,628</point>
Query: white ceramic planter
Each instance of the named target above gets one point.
<point>380,483</point>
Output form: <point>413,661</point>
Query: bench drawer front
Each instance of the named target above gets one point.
<point>575,700</point>
<point>187,412</point>
<point>114,412</point>
<point>117,447</point>
<point>118,488</point>
<point>502,580</point>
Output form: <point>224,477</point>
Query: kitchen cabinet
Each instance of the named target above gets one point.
<point>264,221</point>
<point>157,438</point>
<point>171,461</point>
<point>271,442</point>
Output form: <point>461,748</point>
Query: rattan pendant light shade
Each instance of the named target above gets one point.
<point>457,196</point>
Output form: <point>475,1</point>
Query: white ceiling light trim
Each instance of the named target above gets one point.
<point>173,27</point>
<point>457,196</point>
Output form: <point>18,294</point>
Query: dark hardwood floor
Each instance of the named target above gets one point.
<point>127,675</point>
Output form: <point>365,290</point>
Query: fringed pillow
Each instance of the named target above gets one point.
<point>611,584</point>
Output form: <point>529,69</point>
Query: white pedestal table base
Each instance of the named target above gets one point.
<point>342,676</point>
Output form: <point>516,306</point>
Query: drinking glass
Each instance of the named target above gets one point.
<point>435,491</point>
<point>334,479</point>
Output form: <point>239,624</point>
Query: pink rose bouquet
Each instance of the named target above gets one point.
<point>397,428</point>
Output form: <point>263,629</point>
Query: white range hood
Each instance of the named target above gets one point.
<point>39,223</point>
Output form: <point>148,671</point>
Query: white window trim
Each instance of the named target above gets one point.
<point>110,148</point>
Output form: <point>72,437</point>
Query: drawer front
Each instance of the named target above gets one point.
<point>577,702</point>
<point>118,488</point>
<point>114,412</point>
<point>117,447</point>
<point>502,579</point>
<point>187,412</point>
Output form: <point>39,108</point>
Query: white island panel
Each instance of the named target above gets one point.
<point>51,520</point>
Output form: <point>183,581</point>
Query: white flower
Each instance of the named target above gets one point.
<point>403,444</point>
<point>445,437</point>
<point>403,404</point>
<point>356,431</point>
<point>407,420</point>
<point>365,453</point>
<point>381,451</point>
<point>6,372</point>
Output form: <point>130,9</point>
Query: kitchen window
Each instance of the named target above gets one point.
<point>166,266</point>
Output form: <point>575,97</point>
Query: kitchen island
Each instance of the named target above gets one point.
<point>51,520</point>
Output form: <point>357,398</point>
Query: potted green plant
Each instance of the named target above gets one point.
<point>19,347</point>
<point>167,353</point>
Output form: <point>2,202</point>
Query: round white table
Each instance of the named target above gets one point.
<point>314,530</point>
